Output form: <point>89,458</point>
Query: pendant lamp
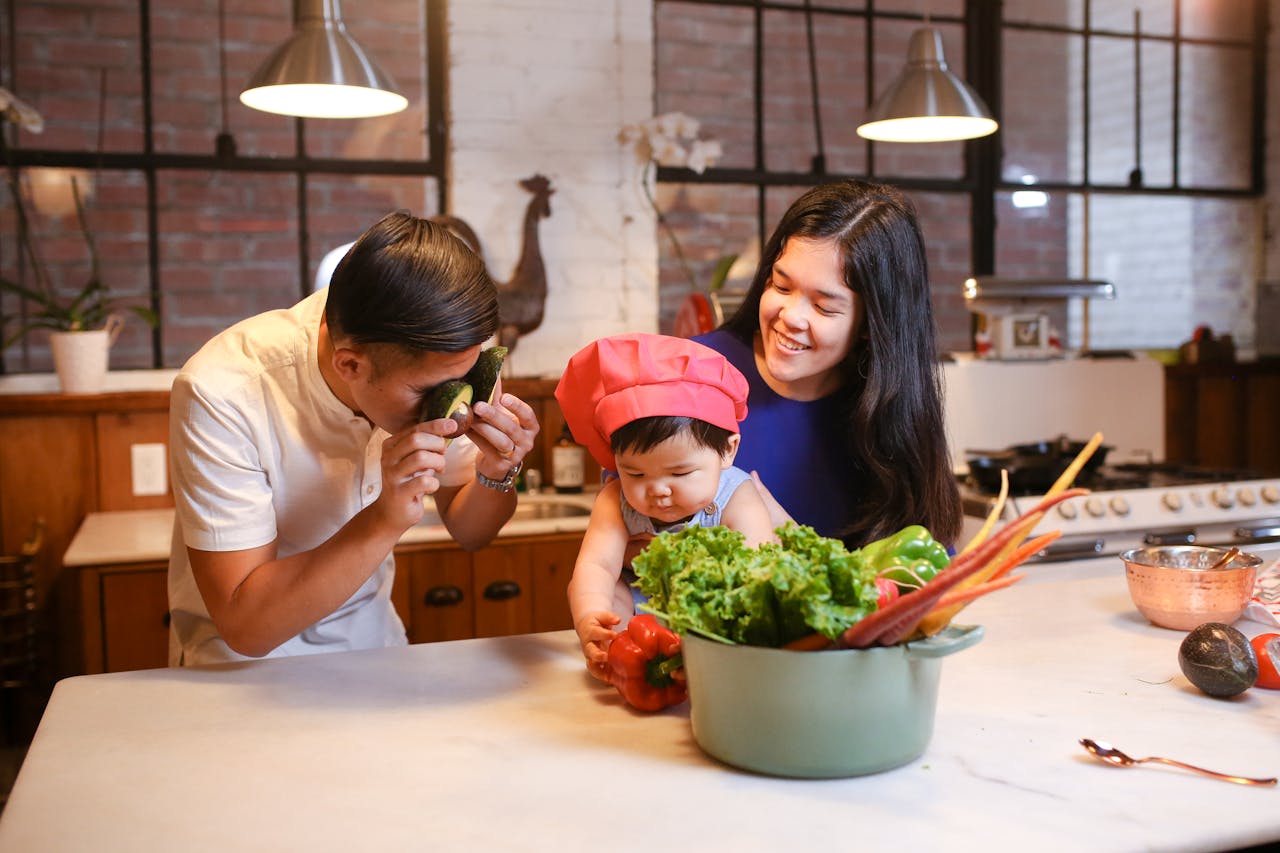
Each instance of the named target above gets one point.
<point>321,71</point>
<point>927,103</point>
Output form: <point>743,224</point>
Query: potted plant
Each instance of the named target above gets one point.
<point>83,325</point>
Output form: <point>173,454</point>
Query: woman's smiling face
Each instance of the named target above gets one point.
<point>809,319</point>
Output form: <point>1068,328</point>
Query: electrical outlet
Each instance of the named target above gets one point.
<point>150,467</point>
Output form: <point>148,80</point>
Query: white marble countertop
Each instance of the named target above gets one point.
<point>506,744</point>
<point>145,535</point>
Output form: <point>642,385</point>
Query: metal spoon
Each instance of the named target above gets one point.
<point>1108,753</point>
<point>1224,559</point>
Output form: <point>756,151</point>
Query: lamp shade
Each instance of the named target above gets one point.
<point>926,102</point>
<point>322,72</point>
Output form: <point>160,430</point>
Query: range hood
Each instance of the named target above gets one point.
<point>996,289</point>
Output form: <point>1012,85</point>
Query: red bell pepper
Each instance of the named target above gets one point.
<point>642,661</point>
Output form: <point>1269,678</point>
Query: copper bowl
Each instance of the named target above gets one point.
<point>1175,587</point>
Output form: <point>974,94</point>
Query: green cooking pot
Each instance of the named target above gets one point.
<point>817,714</point>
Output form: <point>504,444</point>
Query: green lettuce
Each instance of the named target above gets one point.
<point>706,579</point>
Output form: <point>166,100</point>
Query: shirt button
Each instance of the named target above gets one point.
<point>368,490</point>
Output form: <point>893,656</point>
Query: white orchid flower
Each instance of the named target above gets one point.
<point>20,112</point>
<point>703,153</point>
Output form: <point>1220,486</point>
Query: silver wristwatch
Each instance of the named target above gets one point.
<point>506,484</point>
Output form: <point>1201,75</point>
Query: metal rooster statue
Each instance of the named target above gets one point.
<point>522,299</point>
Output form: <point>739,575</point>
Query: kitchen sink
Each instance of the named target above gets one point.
<point>529,508</point>
<point>532,508</point>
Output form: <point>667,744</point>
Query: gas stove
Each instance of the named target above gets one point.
<point>1132,505</point>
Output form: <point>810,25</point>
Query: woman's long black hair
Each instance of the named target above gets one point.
<point>891,395</point>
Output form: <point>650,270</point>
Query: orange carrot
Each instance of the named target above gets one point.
<point>902,615</point>
<point>964,596</point>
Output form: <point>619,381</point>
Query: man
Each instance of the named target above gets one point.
<point>298,460</point>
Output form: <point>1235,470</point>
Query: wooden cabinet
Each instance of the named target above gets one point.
<point>1223,415</point>
<point>514,586</point>
<point>125,617</point>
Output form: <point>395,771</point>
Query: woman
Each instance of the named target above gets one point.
<point>836,338</point>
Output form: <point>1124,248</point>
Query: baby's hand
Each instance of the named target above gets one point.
<point>595,633</point>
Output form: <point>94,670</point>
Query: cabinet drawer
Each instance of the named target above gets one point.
<point>440,595</point>
<point>502,578</point>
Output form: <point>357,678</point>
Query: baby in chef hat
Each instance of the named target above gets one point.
<point>662,413</point>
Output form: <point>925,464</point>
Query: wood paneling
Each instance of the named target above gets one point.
<point>116,433</point>
<point>440,604</point>
<point>135,619</point>
<point>1224,415</point>
<point>552,567</point>
<point>45,464</point>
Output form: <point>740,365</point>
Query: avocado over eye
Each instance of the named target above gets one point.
<point>450,399</point>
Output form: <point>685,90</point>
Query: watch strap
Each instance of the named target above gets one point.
<point>506,484</point>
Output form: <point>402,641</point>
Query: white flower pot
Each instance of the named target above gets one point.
<point>81,357</point>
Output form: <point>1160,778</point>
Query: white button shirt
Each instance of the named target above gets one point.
<point>262,450</point>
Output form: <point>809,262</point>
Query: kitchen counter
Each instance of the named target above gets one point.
<point>145,535</point>
<point>506,744</point>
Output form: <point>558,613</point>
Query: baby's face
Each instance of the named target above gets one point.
<point>674,479</point>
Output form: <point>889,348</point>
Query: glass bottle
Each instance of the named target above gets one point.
<point>568,463</point>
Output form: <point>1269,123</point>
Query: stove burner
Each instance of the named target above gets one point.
<point>1135,475</point>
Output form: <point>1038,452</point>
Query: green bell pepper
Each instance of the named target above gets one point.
<point>909,558</point>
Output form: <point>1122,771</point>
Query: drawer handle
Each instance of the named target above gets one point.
<point>442,596</point>
<point>501,590</point>
<point>168,617</point>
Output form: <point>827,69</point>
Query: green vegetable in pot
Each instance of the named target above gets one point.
<point>707,580</point>
<point>910,558</point>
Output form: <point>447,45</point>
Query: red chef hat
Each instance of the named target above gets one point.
<point>613,381</point>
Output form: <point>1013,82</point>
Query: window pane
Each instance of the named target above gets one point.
<point>1177,263</point>
<point>1156,16</point>
<point>1033,241</point>
<point>708,222</point>
<point>341,207</point>
<point>704,61</point>
<point>916,7</point>
<point>790,132</point>
<point>114,205</point>
<point>228,250</point>
<point>190,110</point>
<point>1040,130</point>
<point>945,222</point>
<point>1111,110</point>
<point>1217,117</point>
<point>1215,19</point>
<point>1065,13</point>
<point>1157,114</point>
<point>63,62</point>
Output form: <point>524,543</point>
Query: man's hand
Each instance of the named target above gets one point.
<point>412,460</point>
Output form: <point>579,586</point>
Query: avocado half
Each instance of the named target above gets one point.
<point>483,377</point>
<point>450,399</point>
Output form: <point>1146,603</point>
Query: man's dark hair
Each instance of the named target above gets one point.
<point>410,283</point>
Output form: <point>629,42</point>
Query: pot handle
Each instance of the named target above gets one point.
<point>952,639</point>
<point>112,327</point>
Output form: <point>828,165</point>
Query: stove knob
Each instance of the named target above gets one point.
<point>1246,497</point>
<point>1095,507</point>
<point>1068,510</point>
<point>1119,506</point>
<point>1173,501</point>
<point>1222,498</point>
<point>1270,494</point>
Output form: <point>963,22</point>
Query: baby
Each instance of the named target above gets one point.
<point>662,413</point>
